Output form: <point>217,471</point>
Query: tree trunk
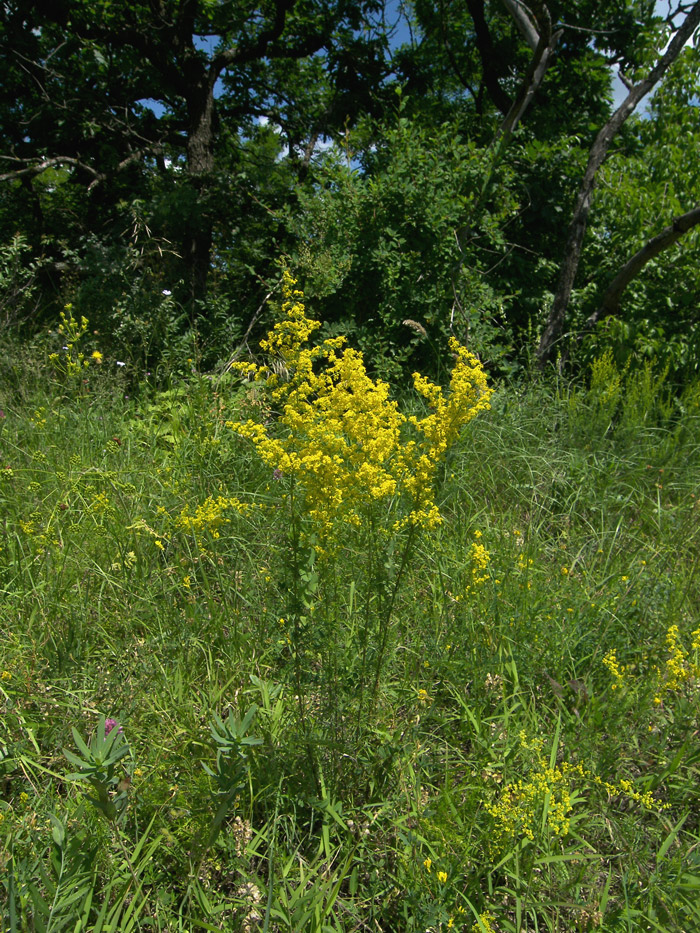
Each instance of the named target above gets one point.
<point>667,237</point>
<point>198,235</point>
<point>554,328</point>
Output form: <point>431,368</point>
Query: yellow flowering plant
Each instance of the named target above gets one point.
<point>352,464</point>
<point>340,436</point>
<point>542,802</point>
<point>69,365</point>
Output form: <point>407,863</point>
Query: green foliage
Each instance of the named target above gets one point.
<point>232,771</point>
<point>96,764</point>
<point>395,257</point>
<point>18,282</point>
<point>650,181</point>
<point>200,184</point>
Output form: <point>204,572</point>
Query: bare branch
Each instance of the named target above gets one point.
<point>38,167</point>
<point>524,22</point>
<point>546,43</point>
<point>668,236</point>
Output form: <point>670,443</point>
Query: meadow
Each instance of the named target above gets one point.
<point>232,699</point>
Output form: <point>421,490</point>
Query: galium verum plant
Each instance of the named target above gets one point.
<point>342,439</point>
<point>354,469</point>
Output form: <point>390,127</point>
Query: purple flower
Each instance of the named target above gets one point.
<point>110,724</point>
<point>278,474</point>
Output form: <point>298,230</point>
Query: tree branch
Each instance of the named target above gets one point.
<point>488,56</point>
<point>545,45</point>
<point>238,54</point>
<point>38,167</point>
<point>523,22</point>
<point>554,327</point>
<point>669,235</point>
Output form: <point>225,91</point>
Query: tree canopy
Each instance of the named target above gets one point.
<point>462,165</point>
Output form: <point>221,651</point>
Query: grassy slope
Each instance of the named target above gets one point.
<point>481,753</point>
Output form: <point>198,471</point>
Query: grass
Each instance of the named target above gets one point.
<point>513,748</point>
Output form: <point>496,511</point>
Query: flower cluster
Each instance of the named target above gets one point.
<point>72,331</point>
<point>480,559</point>
<point>519,809</point>
<point>517,812</point>
<point>679,667</point>
<point>340,438</point>
<point>485,923</point>
<point>210,515</point>
<point>616,669</point>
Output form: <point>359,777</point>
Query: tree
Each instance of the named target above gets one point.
<point>668,236</point>
<point>577,227</point>
<point>213,69</point>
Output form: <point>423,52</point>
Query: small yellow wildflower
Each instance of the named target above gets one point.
<point>480,559</point>
<point>442,877</point>
<point>616,669</point>
<point>484,924</point>
<point>428,863</point>
<point>6,675</point>
<point>96,356</point>
<point>679,667</point>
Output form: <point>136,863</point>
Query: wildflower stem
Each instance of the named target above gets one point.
<point>386,616</point>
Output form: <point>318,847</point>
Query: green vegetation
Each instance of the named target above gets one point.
<point>349,466</point>
<point>214,717</point>
<point>460,169</point>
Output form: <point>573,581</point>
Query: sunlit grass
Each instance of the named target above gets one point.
<point>510,775</point>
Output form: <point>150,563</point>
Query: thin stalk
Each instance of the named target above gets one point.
<point>295,539</point>
<point>386,619</point>
<point>367,612</point>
